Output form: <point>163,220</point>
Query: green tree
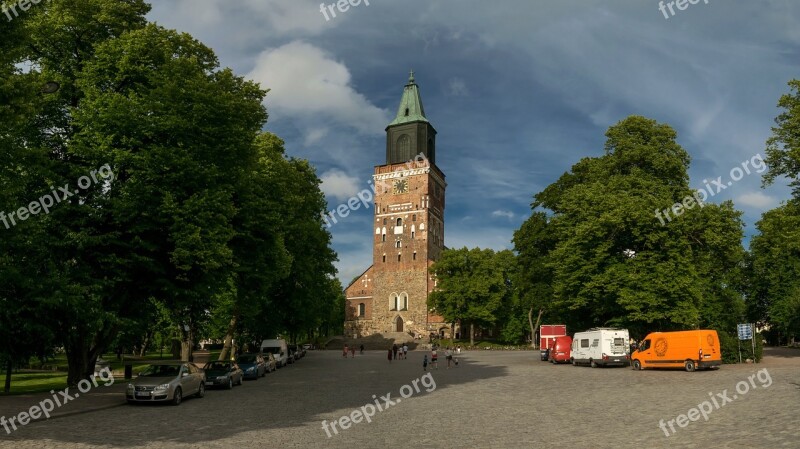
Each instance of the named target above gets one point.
<point>533,242</point>
<point>473,285</point>
<point>783,147</point>
<point>615,263</point>
<point>774,293</point>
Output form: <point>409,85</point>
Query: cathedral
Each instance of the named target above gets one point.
<point>407,233</point>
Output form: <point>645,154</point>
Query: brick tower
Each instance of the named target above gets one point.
<point>408,231</point>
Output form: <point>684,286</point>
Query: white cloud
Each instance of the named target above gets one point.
<point>305,81</point>
<point>503,213</point>
<point>456,87</point>
<point>757,200</point>
<point>339,185</point>
<point>315,135</point>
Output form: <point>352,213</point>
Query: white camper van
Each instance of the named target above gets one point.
<point>278,349</point>
<point>601,346</point>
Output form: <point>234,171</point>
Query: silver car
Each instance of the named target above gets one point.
<point>167,381</point>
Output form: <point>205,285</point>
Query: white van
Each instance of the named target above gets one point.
<point>601,346</point>
<point>278,349</point>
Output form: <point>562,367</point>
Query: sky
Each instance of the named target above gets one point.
<point>518,91</point>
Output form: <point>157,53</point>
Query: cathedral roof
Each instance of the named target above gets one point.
<point>411,109</point>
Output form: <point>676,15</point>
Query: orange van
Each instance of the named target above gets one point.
<point>683,349</point>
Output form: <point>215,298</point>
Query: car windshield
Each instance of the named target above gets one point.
<point>247,359</point>
<point>216,366</point>
<point>161,371</point>
<point>273,349</point>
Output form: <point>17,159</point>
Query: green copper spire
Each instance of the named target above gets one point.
<point>410,109</point>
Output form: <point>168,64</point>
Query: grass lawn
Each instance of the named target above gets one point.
<point>37,382</point>
<point>22,383</point>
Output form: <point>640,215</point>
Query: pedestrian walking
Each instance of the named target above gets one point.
<point>394,351</point>
<point>458,349</point>
<point>434,359</point>
<point>353,352</point>
<point>448,356</point>
<point>390,355</point>
<point>405,351</point>
<point>344,351</point>
<point>425,363</point>
<point>362,349</point>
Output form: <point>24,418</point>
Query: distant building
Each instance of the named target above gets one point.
<point>407,233</point>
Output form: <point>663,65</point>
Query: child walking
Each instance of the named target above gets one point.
<point>425,363</point>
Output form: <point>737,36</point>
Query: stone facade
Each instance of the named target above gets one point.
<point>407,232</point>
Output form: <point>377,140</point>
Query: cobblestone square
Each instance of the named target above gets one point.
<point>493,399</point>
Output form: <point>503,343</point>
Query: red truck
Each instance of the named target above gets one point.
<point>547,337</point>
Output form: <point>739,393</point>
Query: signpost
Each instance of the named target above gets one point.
<point>745,332</point>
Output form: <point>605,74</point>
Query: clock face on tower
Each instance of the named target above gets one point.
<point>400,186</point>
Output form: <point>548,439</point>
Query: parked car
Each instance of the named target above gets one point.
<point>561,350</point>
<point>299,352</point>
<point>600,346</point>
<point>270,362</point>
<point>689,350</point>
<point>166,381</point>
<point>252,365</point>
<point>308,346</point>
<point>223,374</point>
<point>278,349</point>
<point>292,355</point>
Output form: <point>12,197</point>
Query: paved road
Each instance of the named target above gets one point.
<point>492,400</point>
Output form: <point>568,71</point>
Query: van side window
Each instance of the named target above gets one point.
<point>595,343</point>
<point>584,343</point>
<point>645,345</point>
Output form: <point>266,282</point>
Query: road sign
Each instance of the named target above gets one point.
<point>745,331</point>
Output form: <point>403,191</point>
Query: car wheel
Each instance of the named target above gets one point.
<point>230,384</point>
<point>177,398</point>
<point>689,365</point>
<point>637,365</point>
<point>592,363</point>
<point>201,391</point>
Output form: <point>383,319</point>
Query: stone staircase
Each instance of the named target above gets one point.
<point>376,341</point>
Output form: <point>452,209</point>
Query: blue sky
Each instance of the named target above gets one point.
<point>518,90</point>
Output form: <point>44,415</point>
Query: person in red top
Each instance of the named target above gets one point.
<point>434,358</point>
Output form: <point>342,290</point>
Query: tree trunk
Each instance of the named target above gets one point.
<point>534,342</point>
<point>229,335</point>
<point>147,338</point>
<point>9,366</point>
<point>186,344</point>
<point>471,334</point>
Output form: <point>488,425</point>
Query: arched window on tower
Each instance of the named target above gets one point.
<point>403,148</point>
<point>362,309</point>
<point>399,222</point>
